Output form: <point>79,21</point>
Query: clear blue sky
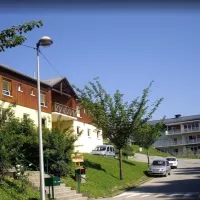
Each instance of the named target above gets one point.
<point>125,49</point>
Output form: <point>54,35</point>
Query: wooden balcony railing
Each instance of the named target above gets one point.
<point>62,109</point>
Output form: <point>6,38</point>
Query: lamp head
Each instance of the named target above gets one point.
<point>45,42</point>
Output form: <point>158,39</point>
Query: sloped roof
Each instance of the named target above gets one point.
<point>177,120</point>
<point>49,82</point>
<point>53,81</point>
<point>21,74</point>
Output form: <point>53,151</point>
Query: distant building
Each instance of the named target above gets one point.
<point>58,100</point>
<point>183,132</point>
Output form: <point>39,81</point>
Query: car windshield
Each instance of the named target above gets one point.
<point>158,163</point>
<point>100,148</point>
<point>171,159</point>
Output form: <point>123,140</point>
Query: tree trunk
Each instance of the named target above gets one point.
<point>120,165</point>
<point>148,157</point>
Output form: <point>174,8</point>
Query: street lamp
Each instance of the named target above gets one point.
<point>44,42</point>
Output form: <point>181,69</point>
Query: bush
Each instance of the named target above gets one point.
<point>127,151</point>
<point>19,144</point>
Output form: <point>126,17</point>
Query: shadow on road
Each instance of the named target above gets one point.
<point>165,186</point>
<point>192,171</point>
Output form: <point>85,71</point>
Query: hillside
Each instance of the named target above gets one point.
<point>102,175</point>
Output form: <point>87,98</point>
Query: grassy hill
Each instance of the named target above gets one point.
<point>102,175</point>
<point>152,151</point>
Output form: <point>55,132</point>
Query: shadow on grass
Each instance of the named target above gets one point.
<point>93,165</point>
<point>128,162</point>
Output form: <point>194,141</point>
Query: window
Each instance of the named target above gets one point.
<point>43,99</point>
<point>43,122</point>
<point>78,111</point>
<point>78,130</point>
<point>4,116</point>
<point>25,116</point>
<point>20,88</point>
<point>32,92</point>
<point>158,163</point>
<point>88,132</point>
<point>98,134</point>
<point>6,90</point>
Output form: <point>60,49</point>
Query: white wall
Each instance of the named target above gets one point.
<point>33,114</point>
<point>87,144</point>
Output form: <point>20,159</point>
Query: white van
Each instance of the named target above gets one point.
<point>104,150</point>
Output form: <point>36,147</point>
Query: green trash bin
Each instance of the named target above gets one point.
<point>51,182</point>
<point>80,174</point>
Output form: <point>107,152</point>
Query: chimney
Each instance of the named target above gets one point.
<point>177,116</point>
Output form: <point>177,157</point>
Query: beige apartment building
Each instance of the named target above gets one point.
<point>182,133</point>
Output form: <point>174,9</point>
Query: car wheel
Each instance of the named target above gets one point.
<point>169,173</point>
<point>166,174</point>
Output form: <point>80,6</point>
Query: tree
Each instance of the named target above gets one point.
<point>117,119</point>
<point>19,144</point>
<point>13,36</point>
<point>147,134</point>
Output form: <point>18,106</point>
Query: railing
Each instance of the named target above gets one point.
<point>46,169</point>
<point>66,110</point>
<point>194,129</point>
<point>176,131</point>
<point>167,143</point>
<point>59,166</point>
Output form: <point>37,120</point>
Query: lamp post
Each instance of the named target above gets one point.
<point>44,42</point>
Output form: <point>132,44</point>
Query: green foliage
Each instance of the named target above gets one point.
<point>147,134</point>
<point>19,144</point>
<point>11,189</point>
<point>127,151</point>
<point>13,36</point>
<point>117,119</point>
<point>59,145</point>
<point>102,176</point>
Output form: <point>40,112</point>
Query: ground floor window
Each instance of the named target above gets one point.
<point>176,151</point>
<point>43,122</point>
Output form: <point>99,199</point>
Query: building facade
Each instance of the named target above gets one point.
<point>58,101</point>
<point>182,134</point>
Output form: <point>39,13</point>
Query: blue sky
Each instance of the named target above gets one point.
<point>126,50</point>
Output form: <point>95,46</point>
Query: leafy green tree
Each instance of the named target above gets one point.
<point>117,119</point>
<point>58,146</point>
<point>14,36</point>
<point>147,134</point>
<point>19,144</point>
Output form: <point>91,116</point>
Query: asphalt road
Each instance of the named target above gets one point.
<point>183,183</point>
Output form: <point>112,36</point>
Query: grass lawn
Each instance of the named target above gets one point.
<point>11,189</point>
<point>152,151</point>
<point>102,175</point>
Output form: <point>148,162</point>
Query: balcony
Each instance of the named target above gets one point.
<point>175,131</point>
<point>169,143</point>
<point>193,129</point>
<point>65,112</point>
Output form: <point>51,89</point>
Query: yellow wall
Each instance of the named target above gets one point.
<point>33,114</point>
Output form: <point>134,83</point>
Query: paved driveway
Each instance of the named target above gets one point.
<point>183,183</point>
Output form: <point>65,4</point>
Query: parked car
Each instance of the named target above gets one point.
<point>173,162</point>
<point>160,167</point>
<point>104,150</point>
